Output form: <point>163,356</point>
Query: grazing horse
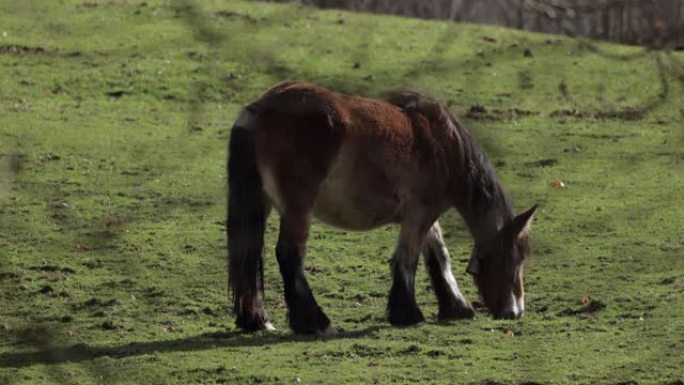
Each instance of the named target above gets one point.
<point>358,163</point>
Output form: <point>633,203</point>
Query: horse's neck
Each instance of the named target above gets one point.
<point>485,216</point>
<point>480,198</point>
<point>486,222</point>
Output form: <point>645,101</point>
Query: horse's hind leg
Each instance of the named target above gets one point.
<point>247,277</point>
<point>452,304</point>
<point>305,316</point>
<point>402,308</point>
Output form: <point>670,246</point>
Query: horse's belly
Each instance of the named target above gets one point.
<point>338,211</point>
<point>358,195</point>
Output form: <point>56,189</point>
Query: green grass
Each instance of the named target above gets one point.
<point>112,258</point>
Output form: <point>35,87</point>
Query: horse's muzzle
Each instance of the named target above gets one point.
<point>508,314</point>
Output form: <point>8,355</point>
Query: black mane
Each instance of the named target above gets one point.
<point>479,186</point>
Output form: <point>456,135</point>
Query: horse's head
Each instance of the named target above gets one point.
<point>497,266</point>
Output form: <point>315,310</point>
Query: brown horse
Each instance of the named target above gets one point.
<point>358,163</point>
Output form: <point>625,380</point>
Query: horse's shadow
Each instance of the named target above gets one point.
<point>230,339</point>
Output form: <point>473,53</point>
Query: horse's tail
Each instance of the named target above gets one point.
<point>247,214</point>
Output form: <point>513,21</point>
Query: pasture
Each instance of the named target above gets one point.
<point>114,124</point>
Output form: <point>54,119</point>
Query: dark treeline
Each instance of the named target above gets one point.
<point>653,23</point>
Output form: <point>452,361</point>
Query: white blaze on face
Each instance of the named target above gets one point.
<point>516,302</point>
<point>516,305</point>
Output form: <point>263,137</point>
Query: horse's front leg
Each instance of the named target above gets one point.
<point>304,314</point>
<point>402,308</point>
<point>452,304</point>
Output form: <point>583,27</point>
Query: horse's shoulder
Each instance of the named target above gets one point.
<point>424,109</point>
<point>413,103</point>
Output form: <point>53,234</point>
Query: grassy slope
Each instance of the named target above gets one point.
<point>111,235</point>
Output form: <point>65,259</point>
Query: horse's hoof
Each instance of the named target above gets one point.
<point>316,324</point>
<point>253,324</point>
<point>329,331</point>
<point>456,312</point>
<point>406,319</point>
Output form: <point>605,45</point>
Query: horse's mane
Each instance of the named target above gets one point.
<point>482,188</point>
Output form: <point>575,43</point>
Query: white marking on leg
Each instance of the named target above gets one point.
<point>403,262</point>
<point>435,240</point>
<point>451,281</point>
<point>244,120</point>
<point>329,331</point>
<point>269,326</point>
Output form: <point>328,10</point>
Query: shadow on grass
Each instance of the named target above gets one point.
<point>84,352</point>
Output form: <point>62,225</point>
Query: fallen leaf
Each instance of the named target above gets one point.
<point>585,299</point>
<point>557,183</point>
<point>112,223</point>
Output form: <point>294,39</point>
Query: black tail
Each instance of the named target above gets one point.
<point>246,226</point>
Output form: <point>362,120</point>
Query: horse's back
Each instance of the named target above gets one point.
<point>352,160</point>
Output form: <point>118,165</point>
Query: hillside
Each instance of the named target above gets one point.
<point>114,121</point>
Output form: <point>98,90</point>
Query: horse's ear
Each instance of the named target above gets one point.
<point>520,225</point>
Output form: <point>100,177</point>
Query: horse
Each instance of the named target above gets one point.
<point>358,163</point>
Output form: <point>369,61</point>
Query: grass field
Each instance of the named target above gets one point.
<point>114,120</point>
